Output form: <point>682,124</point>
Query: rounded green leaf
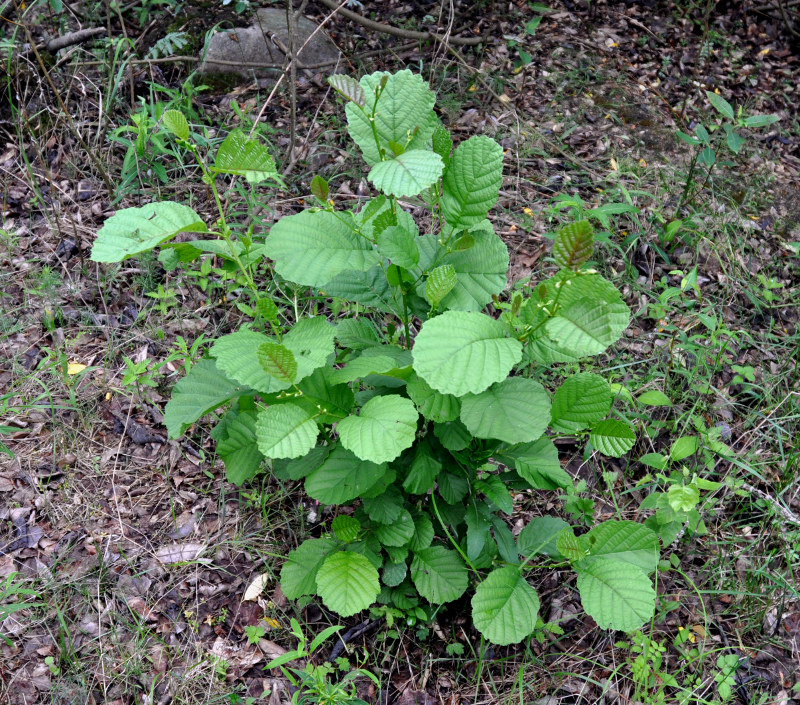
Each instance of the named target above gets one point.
<point>408,174</point>
<point>616,595</point>
<point>613,437</point>
<point>312,247</point>
<point>573,245</point>
<point>245,156</point>
<point>583,399</point>
<point>285,431</point>
<point>432,405</point>
<point>440,283</point>
<point>472,182</point>
<point>588,327</point>
<point>278,361</point>
<point>347,583</point>
<point>625,541</point>
<point>398,533</point>
<point>341,477</point>
<point>385,427</point>
<point>346,528</point>
<point>299,573</point>
<point>540,536</point>
<point>439,574</point>
<point>505,607</point>
<point>516,410</point>
<point>461,352</point>
<point>405,107</point>
<point>175,122</point>
<point>399,244</point>
<point>132,231</point>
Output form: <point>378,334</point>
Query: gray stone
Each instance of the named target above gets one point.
<point>240,51</point>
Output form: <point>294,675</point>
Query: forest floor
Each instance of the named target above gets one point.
<point>137,552</point>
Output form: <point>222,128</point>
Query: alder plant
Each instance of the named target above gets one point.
<point>413,415</point>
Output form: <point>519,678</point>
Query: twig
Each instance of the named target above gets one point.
<point>397,31</point>
<point>67,40</point>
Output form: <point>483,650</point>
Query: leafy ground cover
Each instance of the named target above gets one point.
<point>127,555</point>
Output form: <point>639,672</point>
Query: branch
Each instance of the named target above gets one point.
<point>397,32</point>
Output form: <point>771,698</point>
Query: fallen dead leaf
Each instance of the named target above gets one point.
<point>179,552</point>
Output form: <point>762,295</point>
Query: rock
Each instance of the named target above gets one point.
<point>233,51</point>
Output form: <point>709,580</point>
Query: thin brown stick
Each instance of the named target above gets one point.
<point>67,40</point>
<point>397,31</point>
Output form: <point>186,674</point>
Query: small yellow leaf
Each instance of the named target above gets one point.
<point>527,211</point>
<point>108,396</point>
<point>472,89</point>
<point>274,623</point>
<point>700,630</point>
<point>642,163</point>
<point>74,368</point>
<point>764,52</point>
<point>614,165</point>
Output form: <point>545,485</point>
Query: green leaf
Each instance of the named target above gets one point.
<point>471,182</point>
<point>347,583</point>
<point>734,141</point>
<point>683,447</point>
<point>442,143</point>
<point>423,533</point>
<point>385,427</point>
<point>278,361</point>
<point>346,528</point>
<point>364,366</point>
<point>440,283</point>
<point>386,507</point>
<point>624,541</point>
<point>342,477</point>
<point>616,595</point>
<point>573,245</point>
<point>432,405</point>
<point>539,536</point>
<point>175,122</point>
<point>516,410</point>
<point>311,341</point>
<point>588,326</point>
<point>241,155</point>
<point>369,288</point>
<point>654,397</point>
<point>405,107</point>
<point>582,400</point>
<point>460,352</point>
<point>439,574</point>
<point>722,106</point>
<point>332,401</point>
<point>399,244</point>
<point>613,437</point>
<point>683,498</point>
<point>286,431</point>
<point>537,463</point>
<point>394,573</point>
<point>408,174</point>
<point>131,231</point>
<point>299,573</point>
<point>349,87</point>
<point>423,472</point>
<point>320,189</point>
<point>204,389</point>
<point>356,333</point>
<point>760,120</point>
<point>398,533</point>
<point>312,247</point>
<point>505,608</point>
<point>236,355</point>
<point>497,492</point>
<point>237,446</point>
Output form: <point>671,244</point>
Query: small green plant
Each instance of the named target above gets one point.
<point>417,409</point>
<point>708,141</point>
<point>313,682</point>
<point>10,591</point>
